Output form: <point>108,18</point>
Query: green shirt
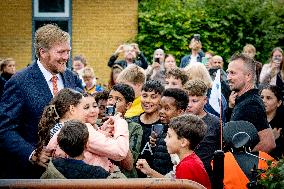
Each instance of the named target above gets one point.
<point>135,138</point>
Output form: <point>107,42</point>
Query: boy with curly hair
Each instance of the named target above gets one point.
<point>175,78</point>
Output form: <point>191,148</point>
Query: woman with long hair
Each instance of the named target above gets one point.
<point>170,62</point>
<point>7,68</point>
<point>273,102</point>
<point>156,70</point>
<point>273,72</point>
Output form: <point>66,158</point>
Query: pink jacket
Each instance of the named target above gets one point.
<point>101,148</point>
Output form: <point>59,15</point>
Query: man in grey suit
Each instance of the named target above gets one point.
<point>24,98</point>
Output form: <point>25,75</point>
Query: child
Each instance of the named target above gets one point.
<point>90,81</point>
<point>197,91</point>
<point>101,99</point>
<point>199,71</point>
<point>72,139</point>
<point>150,100</point>
<point>69,104</point>
<point>79,63</point>
<point>121,96</point>
<point>173,104</point>
<point>175,78</point>
<point>184,134</point>
<point>135,77</point>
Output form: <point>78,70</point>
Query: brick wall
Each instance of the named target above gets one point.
<point>16,31</point>
<point>98,28</point>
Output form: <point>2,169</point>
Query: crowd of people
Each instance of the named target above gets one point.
<point>157,120</point>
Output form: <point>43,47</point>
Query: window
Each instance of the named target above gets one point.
<point>51,8</point>
<point>52,11</point>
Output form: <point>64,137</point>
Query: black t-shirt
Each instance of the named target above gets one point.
<point>145,138</point>
<point>161,158</point>
<point>249,107</point>
<point>210,143</point>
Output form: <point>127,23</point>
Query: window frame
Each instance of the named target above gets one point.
<point>66,12</point>
<point>50,18</point>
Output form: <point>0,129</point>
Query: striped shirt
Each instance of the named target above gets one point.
<point>56,128</point>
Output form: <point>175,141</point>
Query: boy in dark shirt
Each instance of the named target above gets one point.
<point>72,139</point>
<point>173,103</point>
<point>150,100</point>
<point>197,91</point>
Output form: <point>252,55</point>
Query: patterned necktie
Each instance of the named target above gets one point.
<point>54,84</point>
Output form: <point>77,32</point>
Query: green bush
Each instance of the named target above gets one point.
<point>225,26</point>
<point>274,176</point>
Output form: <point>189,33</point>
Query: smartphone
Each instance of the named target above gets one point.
<point>196,37</point>
<point>110,111</point>
<point>157,129</point>
<point>277,61</point>
<point>157,60</point>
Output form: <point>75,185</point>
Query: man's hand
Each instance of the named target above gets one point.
<point>43,158</point>
<point>232,99</point>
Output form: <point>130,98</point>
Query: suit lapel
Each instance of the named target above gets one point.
<point>40,84</point>
<point>66,79</point>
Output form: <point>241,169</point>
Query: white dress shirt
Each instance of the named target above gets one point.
<point>47,75</point>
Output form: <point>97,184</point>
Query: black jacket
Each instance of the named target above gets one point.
<point>249,107</point>
<point>73,169</point>
<point>140,61</point>
<point>161,158</point>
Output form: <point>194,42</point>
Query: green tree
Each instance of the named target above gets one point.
<point>225,26</point>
